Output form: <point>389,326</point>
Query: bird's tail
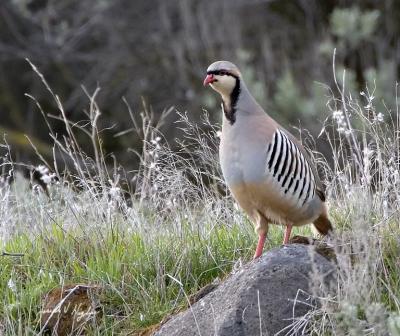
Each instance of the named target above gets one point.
<point>323,225</point>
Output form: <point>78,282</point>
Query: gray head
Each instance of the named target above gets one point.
<point>225,78</point>
<point>222,76</point>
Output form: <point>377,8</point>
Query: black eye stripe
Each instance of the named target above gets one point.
<point>221,73</point>
<point>217,72</point>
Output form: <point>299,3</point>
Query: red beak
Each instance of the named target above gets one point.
<point>209,79</point>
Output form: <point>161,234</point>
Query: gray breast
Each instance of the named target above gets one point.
<point>242,160</point>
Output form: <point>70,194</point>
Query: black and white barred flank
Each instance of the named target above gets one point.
<point>290,169</point>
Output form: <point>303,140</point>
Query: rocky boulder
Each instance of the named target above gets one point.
<point>262,298</point>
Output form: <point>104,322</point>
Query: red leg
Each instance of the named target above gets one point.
<point>260,245</point>
<point>288,230</point>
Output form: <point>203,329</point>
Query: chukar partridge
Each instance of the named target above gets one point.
<point>267,170</point>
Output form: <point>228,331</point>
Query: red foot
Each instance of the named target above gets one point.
<point>288,230</point>
<point>260,245</point>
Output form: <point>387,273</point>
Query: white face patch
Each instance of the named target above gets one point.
<point>224,84</point>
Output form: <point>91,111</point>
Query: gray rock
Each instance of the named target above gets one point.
<point>260,299</point>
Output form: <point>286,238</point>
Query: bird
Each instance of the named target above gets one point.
<point>267,170</point>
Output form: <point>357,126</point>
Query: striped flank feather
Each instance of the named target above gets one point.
<point>290,169</point>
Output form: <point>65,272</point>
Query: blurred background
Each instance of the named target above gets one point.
<point>156,53</point>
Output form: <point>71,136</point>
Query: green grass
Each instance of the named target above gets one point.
<point>390,276</point>
<point>144,279</point>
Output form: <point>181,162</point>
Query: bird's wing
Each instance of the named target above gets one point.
<point>319,187</point>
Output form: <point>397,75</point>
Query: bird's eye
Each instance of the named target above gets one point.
<point>222,73</point>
